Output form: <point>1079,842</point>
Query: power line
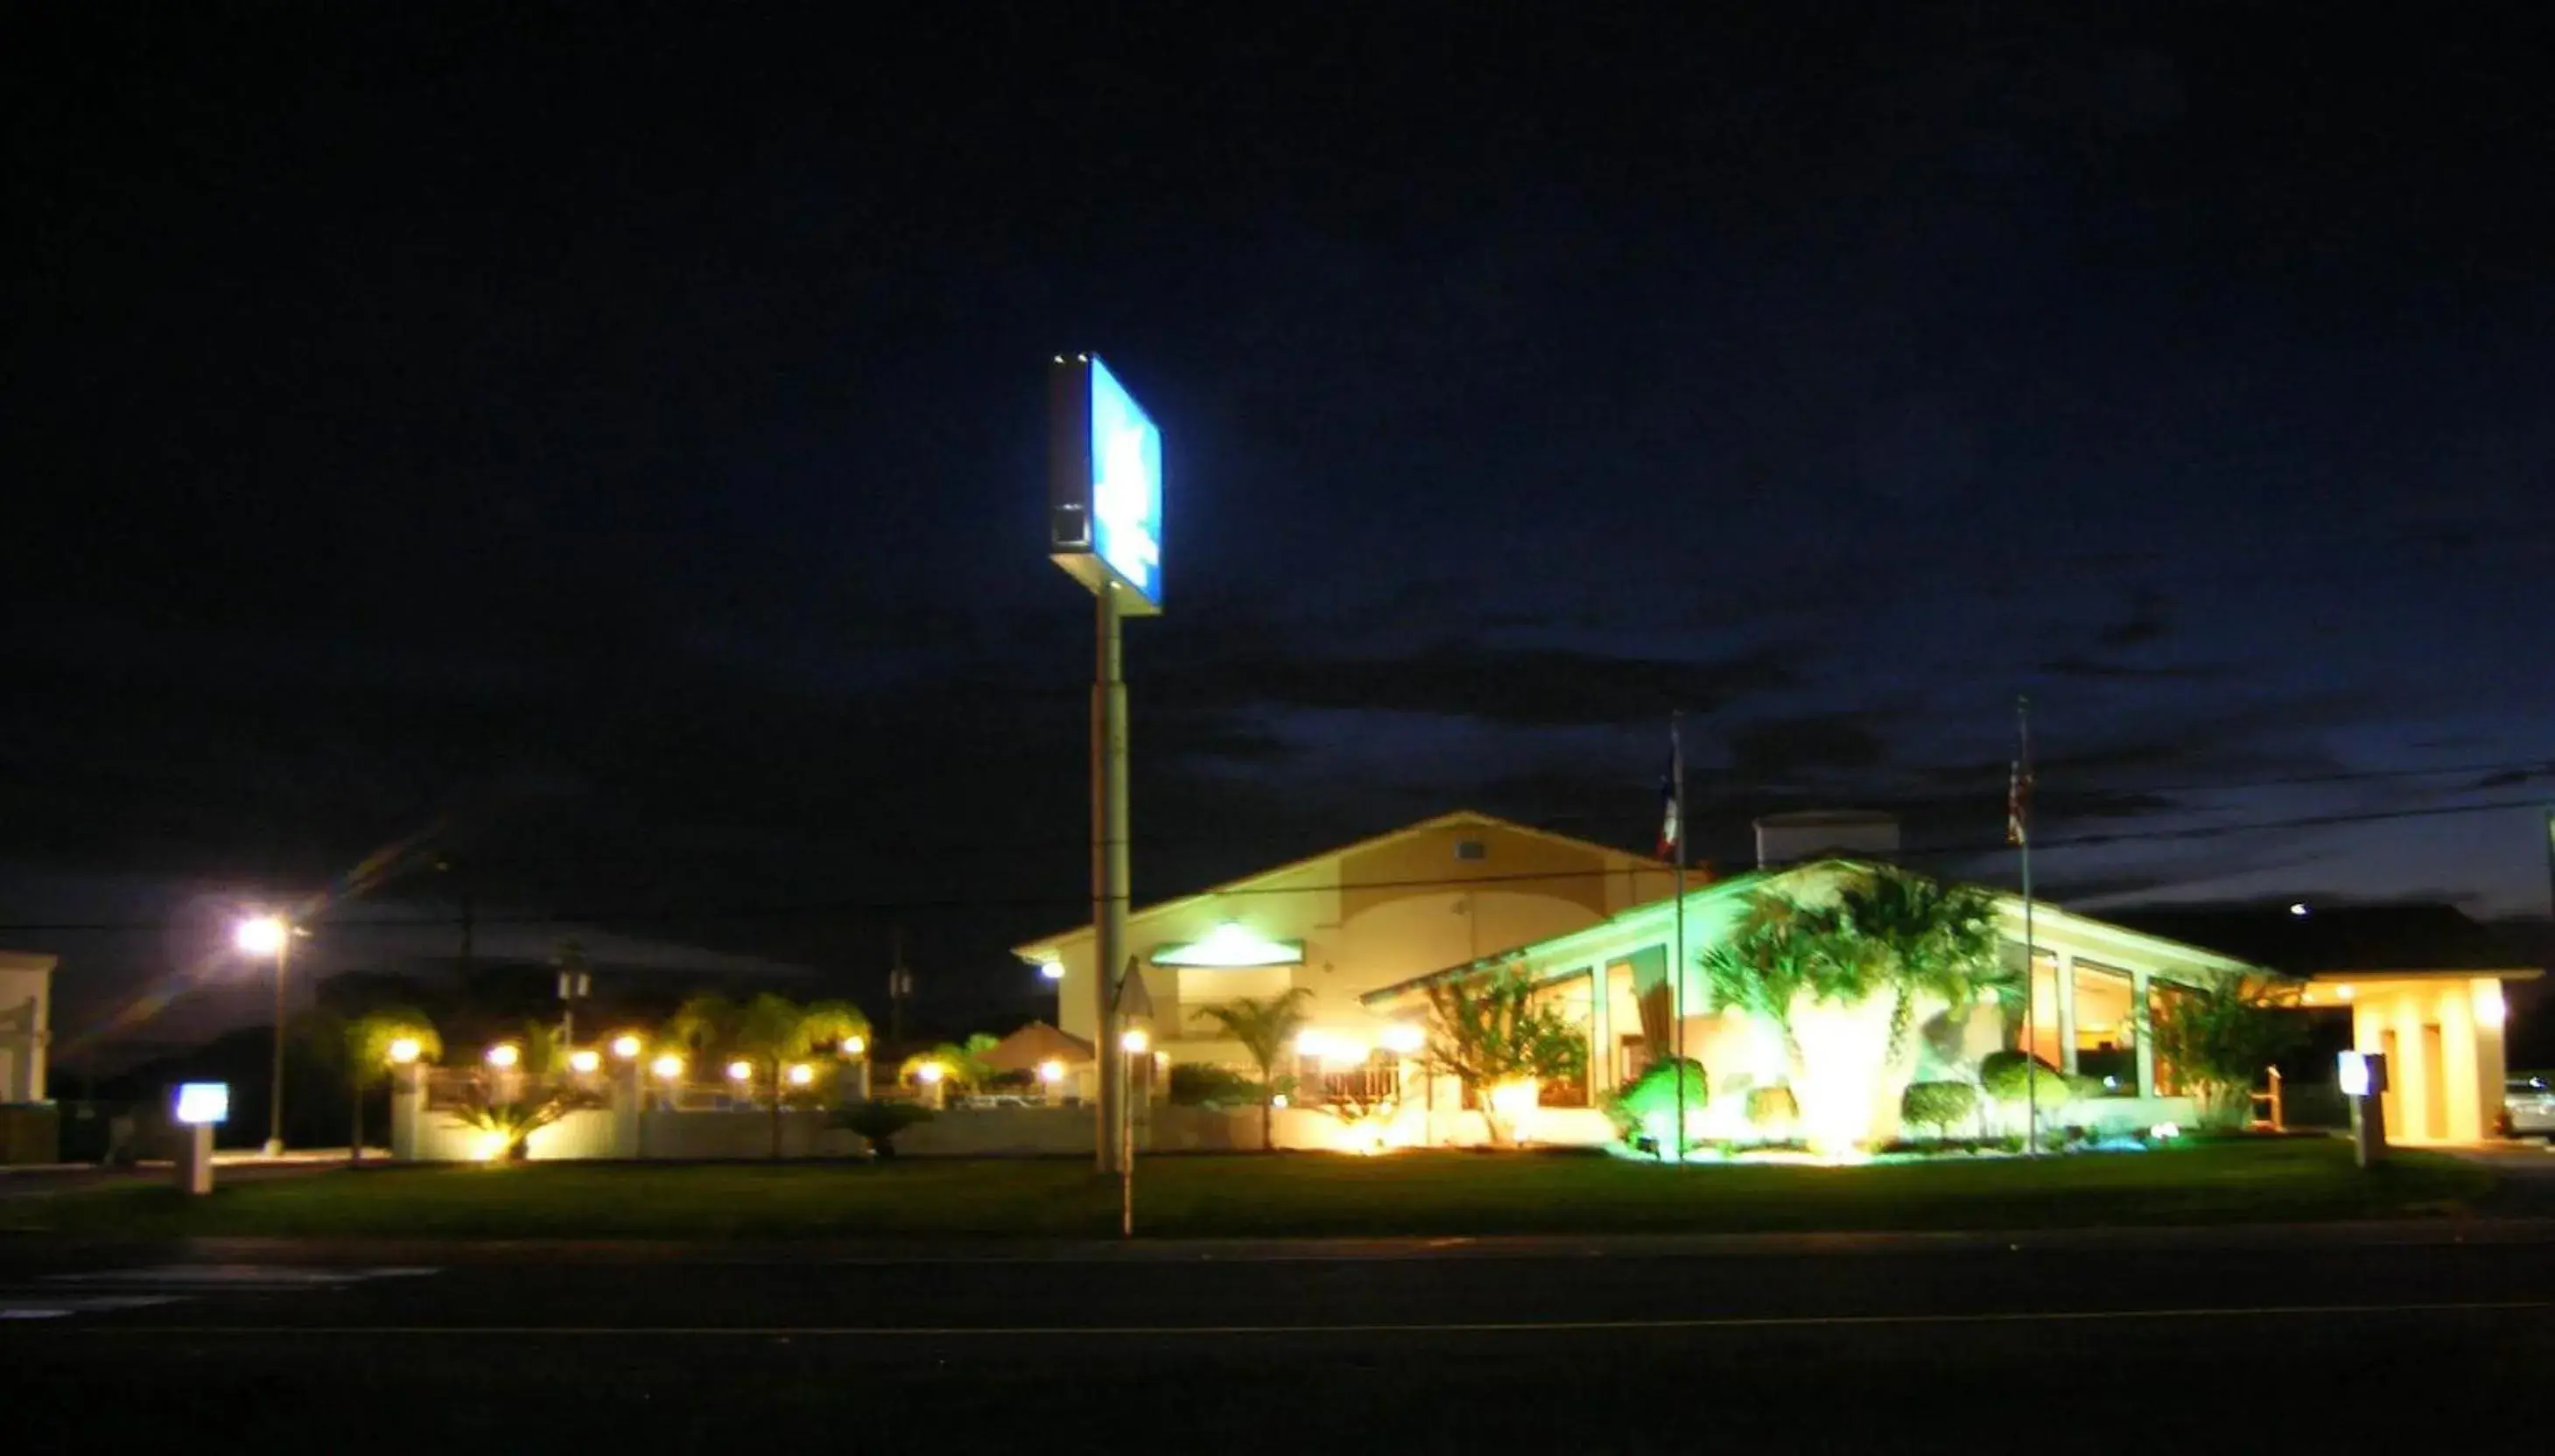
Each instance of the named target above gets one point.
<point>1060,901</point>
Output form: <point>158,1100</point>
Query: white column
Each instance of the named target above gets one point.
<point>1601,1033</point>
<point>2066,1012</point>
<point>2139,985</point>
<point>2462,1120</point>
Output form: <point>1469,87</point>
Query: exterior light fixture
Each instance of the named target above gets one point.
<point>669,1067</point>
<point>584,1059</point>
<point>740,1070</point>
<point>2345,993</point>
<point>1137,1042</point>
<point>504,1055</point>
<point>1050,1072</point>
<point>931,1073</point>
<point>1231,946</point>
<point>1053,970</point>
<point>801,1074</point>
<point>626,1046</point>
<point>2298,908</point>
<point>403,1051</point>
<point>260,936</point>
<point>1403,1039</point>
<point>854,1046</point>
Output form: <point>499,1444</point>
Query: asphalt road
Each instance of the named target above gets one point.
<point>2254,1341</point>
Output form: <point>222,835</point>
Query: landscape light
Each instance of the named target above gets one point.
<point>584,1059</point>
<point>403,1051</point>
<point>739,1071</point>
<point>260,934</point>
<point>1135,1041</point>
<point>504,1054</point>
<point>1050,1072</point>
<point>670,1066</point>
<point>626,1046</point>
<point>801,1074</point>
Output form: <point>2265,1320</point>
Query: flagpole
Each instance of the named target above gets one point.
<point>1676,981</point>
<point>2019,811</point>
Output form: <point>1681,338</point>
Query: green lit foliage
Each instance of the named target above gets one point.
<point>1266,1027</point>
<point>1651,1103</point>
<point>2025,1084</point>
<point>369,1038</point>
<point>1938,1104</point>
<point>879,1122</point>
<point>1492,1031</point>
<point>962,1063</point>
<point>1204,1084</point>
<point>1920,939</point>
<point>511,1123</point>
<point>768,1032</point>
<point>1773,1110</point>
<point>1890,933</point>
<point>2218,1037</point>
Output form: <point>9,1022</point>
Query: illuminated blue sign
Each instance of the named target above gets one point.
<point>1107,484</point>
<point>1126,485</point>
<point>199,1103</point>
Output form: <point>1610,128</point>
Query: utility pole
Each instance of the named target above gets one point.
<point>899,984</point>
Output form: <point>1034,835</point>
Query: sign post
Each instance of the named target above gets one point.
<point>1105,529</point>
<point>2364,1081</point>
<point>200,1108</point>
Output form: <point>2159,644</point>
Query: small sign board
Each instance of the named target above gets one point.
<point>204,1103</point>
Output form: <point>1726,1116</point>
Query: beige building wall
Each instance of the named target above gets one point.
<point>2443,1040</point>
<point>1390,908</point>
<point>26,1022</point>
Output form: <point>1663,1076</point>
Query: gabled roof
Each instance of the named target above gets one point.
<point>2357,937</point>
<point>2053,917</point>
<point>1456,819</point>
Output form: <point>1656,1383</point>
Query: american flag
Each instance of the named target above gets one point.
<point>1671,795</point>
<point>2018,804</point>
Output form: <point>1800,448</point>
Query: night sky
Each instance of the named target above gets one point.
<point>606,447</point>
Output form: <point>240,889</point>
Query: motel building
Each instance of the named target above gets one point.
<point>1343,925</point>
<point>1367,929</point>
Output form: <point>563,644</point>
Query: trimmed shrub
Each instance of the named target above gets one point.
<point>1773,1109</point>
<point>880,1122</point>
<point>1205,1084</point>
<point>1938,1104</point>
<point>1653,1094</point>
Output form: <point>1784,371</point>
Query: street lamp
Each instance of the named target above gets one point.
<point>270,935</point>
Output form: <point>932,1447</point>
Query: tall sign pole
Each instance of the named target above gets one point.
<point>1105,529</point>
<point>1676,992</point>
<point>1109,870</point>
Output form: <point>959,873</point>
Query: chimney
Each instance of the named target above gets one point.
<point>1786,839</point>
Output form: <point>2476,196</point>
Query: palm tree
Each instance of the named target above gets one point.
<point>962,1063</point>
<point>1922,939</point>
<point>1266,1027</point>
<point>369,1040</point>
<point>767,1032</point>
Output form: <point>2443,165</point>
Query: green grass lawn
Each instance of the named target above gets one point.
<point>1445,1193</point>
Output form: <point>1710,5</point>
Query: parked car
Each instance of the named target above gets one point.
<point>2528,1106</point>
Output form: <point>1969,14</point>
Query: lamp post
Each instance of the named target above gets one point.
<point>856,1050</point>
<point>270,935</point>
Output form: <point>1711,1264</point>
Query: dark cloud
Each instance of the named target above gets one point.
<point>1547,687</point>
<point>1783,750</point>
<point>2146,621</point>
